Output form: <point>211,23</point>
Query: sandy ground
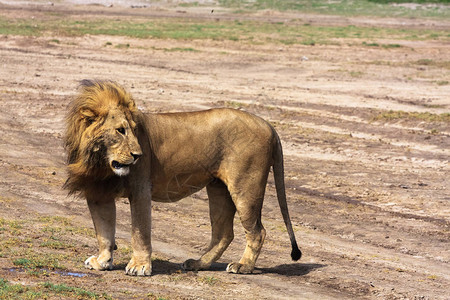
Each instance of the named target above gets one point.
<point>369,200</point>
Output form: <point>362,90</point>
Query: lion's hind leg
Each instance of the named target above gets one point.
<point>248,195</point>
<point>255,235</point>
<point>222,211</point>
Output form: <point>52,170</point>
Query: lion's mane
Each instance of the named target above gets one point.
<point>84,139</point>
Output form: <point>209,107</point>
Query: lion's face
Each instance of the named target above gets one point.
<point>120,142</point>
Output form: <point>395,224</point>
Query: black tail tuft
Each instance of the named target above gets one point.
<point>296,253</point>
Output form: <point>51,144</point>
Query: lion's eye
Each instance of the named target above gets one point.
<point>121,130</point>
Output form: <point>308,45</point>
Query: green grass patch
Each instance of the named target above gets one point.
<point>188,29</point>
<point>45,290</point>
<point>152,296</point>
<point>75,230</point>
<point>402,115</point>
<point>209,280</point>
<point>34,261</point>
<point>444,64</point>
<point>371,44</point>
<point>382,8</point>
<point>55,220</point>
<point>52,230</point>
<point>309,42</point>
<point>123,46</point>
<point>189,4</point>
<point>386,46</point>
<point>356,74</point>
<point>54,243</point>
<point>16,291</point>
<point>19,27</point>
<point>412,1</point>
<point>235,104</point>
<point>38,261</point>
<point>12,227</point>
<point>433,63</point>
<point>65,290</point>
<point>56,225</point>
<point>40,250</point>
<point>47,245</point>
<point>177,49</point>
<point>425,62</point>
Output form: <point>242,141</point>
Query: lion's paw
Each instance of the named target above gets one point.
<point>138,269</point>
<point>238,268</point>
<point>191,265</point>
<point>94,263</point>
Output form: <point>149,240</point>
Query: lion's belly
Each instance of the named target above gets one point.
<point>178,187</point>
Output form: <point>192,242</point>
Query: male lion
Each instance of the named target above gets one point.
<point>114,150</point>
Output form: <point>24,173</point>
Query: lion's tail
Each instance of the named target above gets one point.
<point>278,172</point>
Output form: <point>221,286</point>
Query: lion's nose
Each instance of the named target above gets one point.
<point>136,155</point>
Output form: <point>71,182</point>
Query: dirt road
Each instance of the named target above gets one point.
<point>366,156</point>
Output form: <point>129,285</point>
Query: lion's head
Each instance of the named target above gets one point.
<point>101,133</point>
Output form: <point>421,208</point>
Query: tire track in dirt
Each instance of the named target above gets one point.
<point>100,60</point>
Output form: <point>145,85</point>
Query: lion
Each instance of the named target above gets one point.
<point>115,150</point>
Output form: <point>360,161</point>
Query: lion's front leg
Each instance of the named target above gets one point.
<point>140,263</point>
<point>103,214</point>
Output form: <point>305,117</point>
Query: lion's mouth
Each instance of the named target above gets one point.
<point>117,165</point>
<point>120,169</point>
